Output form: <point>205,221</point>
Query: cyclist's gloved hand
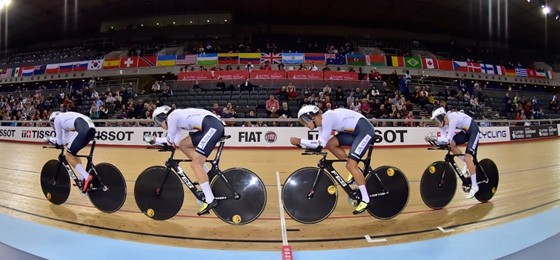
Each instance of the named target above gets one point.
<point>149,139</point>
<point>442,141</point>
<point>431,137</point>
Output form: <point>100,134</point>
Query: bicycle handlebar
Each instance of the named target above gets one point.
<point>437,146</point>
<point>310,151</point>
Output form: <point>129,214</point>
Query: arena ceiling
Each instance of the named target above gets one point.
<point>36,20</point>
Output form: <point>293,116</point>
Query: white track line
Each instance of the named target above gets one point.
<point>282,220</point>
<point>377,240</point>
<point>445,230</point>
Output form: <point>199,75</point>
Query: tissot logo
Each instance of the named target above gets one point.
<point>114,135</point>
<point>7,133</point>
<point>36,134</point>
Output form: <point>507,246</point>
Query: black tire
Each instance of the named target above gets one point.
<point>55,182</point>
<point>252,196</point>
<point>156,198</point>
<point>389,205</point>
<point>113,198</point>
<point>437,189</point>
<point>487,190</point>
<point>299,206</point>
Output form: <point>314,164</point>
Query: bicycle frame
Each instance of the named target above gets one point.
<point>172,165</point>
<point>325,164</point>
<point>450,159</point>
<point>89,166</point>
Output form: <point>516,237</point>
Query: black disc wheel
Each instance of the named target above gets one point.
<point>252,196</point>
<point>159,195</point>
<point>388,189</point>
<point>309,209</point>
<point>487,189</point>
<point>438,185</point>
<point>109,189</point>
<point>55,182</point>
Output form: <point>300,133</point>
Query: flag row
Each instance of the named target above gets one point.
<point>289,59</point>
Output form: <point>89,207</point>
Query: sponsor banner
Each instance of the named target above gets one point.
<point>231,74</point>
<point>341,75</point>
<point>305,74</point>
<point>268,74</point>
<point>257,136</point>
<point>533,131</point>
<point>194,75</point>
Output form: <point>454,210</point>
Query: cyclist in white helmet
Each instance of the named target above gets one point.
<point>75,131</point>
<point>353,129</point>
<point>197,146</point>
<point>469,133</point>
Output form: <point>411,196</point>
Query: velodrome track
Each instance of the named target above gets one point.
<point>529,184</point>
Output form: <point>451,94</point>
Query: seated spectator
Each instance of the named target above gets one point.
<point>220,85</point>
<point>228,111</point>
<point>282,94</point>
<point>166,92</point>
<point>365,108</point>
<point>339,94</point>
<point>93,111</point>
<point>156,88</point>
<point>247,86</point>
<point>217,110</point>
<point>292,93</point>
<point>196,87</point>
<point>285,111</point>
<point>272,105</point>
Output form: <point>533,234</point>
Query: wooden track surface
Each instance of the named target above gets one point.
<point>529,183</point>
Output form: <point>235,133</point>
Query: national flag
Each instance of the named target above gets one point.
<point>395,61</point>
<point>147,61</point>
<point>6,73</point>
<point>510,72</point>
<point>52,68</point>
<point>531,73</point>
<point>429,63</point>
<point>253,57</point>
<point>272,58</point>
<point>292,58</point>
<point>39,69</point>
<point>27,71</point>
<point>129,62</point>
<point>500,70</point>
<point>445,64</point>
<point>228,58</point>
<point>314,58</point>
<point>460,66</point>
<point>549,74</point>
<point>356,59</point>
<point>474,67</point>
<point>65,67</point>
<point>540,74</point>
<point>412,62</point>
<point>375,60</point>
<point>207,59</point>
<point>521,72</point>
<point>166,60</point>
<point>487,68</point>
<point>186,59</point>
<point>16,72</point>
<point>81,66</point>
<point>111,63</point>
<point>95,64</point>
<point>335,59</point>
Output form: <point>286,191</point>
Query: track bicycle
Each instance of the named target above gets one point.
<point>309,194</point>
<point>107,191</point>
<point>439,181</point>
<point>159,193</point>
